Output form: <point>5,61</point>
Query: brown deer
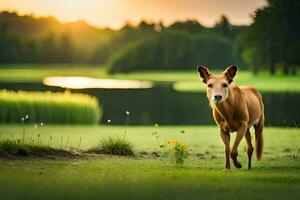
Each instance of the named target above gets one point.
<point>235,109</point>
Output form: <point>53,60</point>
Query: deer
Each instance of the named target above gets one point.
<point>235,109</point>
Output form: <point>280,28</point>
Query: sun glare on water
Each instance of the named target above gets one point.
<point>79,82</point>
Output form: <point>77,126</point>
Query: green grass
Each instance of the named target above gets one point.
<point>277,176</point>
<point>48,107</point>
<point>185,81</point>
<point>263,82</point>
<point>37,72</point>
<point>199,138</point>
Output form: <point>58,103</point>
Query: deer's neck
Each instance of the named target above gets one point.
<point>226,108</point>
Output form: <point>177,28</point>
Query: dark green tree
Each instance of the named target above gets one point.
<point>49,51</point>
<point>173,50</point>
<point>191,26</point>
<point>66,48</point>
<point>273,39</point>
<point>224,27</point>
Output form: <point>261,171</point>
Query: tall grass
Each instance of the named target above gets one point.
<point>113,145</point>
<point>48,107</point>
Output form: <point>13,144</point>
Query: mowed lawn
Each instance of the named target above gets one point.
<point>277,176</point>
<point>184,81</point>
<point>37,72</point>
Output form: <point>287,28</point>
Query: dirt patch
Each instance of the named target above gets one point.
<point>200,156</point>
<point>42,155</point>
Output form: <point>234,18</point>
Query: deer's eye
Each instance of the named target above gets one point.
<point>225,85</point>
<point>210,85</point>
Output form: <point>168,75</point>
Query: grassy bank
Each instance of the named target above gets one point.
<point>185,81</point>
<point>263,82</point>
<point>189,81</point>
<point>112,177</point>
<point>37,72</point>
<point>48,107</point>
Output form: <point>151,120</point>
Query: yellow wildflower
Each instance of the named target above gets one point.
<point>173,142</point>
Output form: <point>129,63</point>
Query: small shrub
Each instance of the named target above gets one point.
<point>114,145</point>
<point>48,107</point>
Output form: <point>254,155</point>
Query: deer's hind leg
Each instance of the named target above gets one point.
<point>249,147</point>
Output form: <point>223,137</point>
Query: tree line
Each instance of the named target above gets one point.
<point>173,50</point>
<point>49,49</point>
<point>272,41</point>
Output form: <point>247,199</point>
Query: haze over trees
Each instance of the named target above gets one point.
<point>271,42</point>
<point>149,46</point>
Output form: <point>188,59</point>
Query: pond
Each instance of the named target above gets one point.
<point>163,105</point>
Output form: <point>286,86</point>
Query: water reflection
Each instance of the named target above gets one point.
<point>80,82</point>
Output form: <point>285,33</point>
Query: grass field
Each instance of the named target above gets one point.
<point>184,81</point>
<point>37,72</point>
<point>277,176</point>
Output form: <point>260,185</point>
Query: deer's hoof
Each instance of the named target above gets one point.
<point>237,165</point>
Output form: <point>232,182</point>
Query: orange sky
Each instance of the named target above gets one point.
<point>114,13</point>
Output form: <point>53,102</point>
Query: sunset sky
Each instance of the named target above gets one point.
<point>114,13</point>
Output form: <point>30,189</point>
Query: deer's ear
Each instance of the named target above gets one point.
<point>204,73</point>
<point>230,72</point>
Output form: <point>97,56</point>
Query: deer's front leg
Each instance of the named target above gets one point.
<point>234,150</point>
<point>226,140</point>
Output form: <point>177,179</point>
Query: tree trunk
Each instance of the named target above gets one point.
<point>286,69</point>
<point>272,69</point>
<point>255,70</point>
<point>294,70</point>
